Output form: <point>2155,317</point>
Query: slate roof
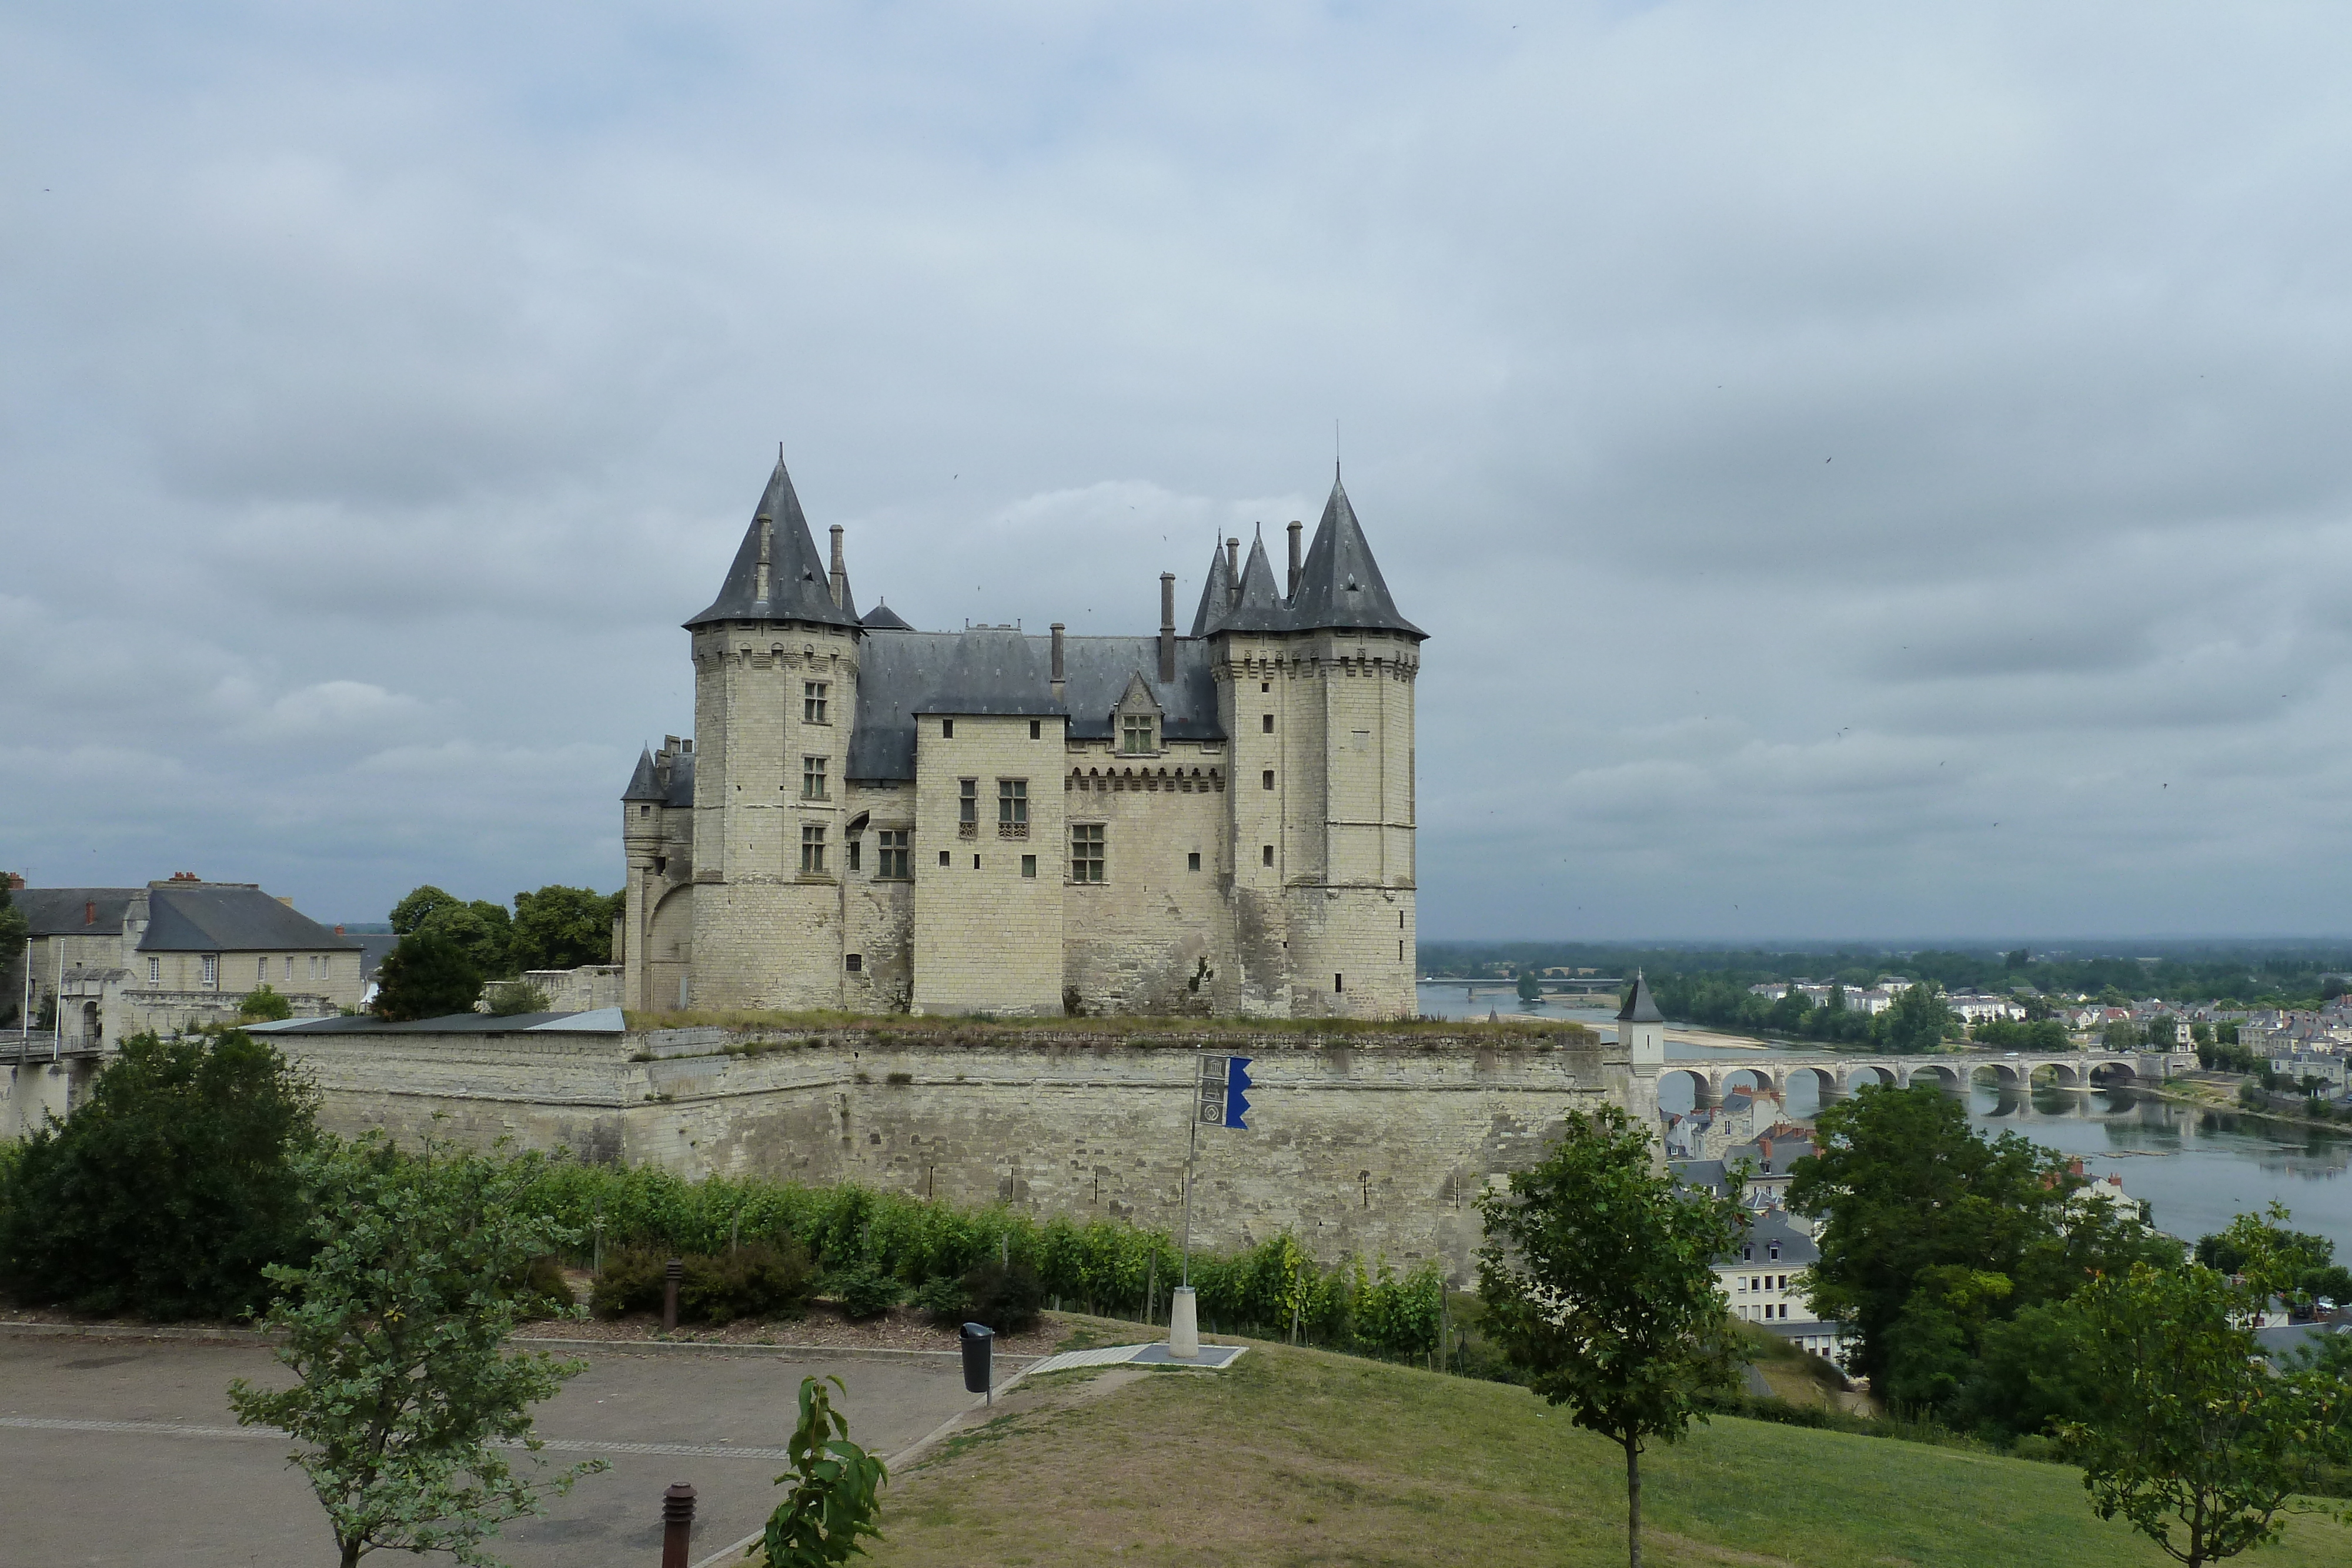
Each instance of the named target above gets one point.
<point>1641,1006</point>
<point>1798,1251</point>
<point>800,581</point>
<point>1216,593</point>
<point>1339,584</point>
<point>218,918</point>
<point>602,1020</point>
<point>882,618</point>
<point>59,911</point>
<point>989,669</point>
<point>643,784</point>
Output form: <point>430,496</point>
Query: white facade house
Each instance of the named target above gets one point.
<point>1764,1282</point>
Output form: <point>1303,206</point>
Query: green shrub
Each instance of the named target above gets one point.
<point>864,1292</point>
<point>170,1189</point>
<point>508,998</point>
<point>943,1298</point>
<point>1006,1297</point>
<point>754,1281</point>
<point>758,1280</point>
<point>543,1291</point>
<point>263,1002</point>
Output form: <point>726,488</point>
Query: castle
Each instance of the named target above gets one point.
<point>872,818</point>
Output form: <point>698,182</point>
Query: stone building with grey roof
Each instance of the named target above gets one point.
<point>872,817</point>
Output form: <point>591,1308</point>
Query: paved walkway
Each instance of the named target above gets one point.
<point>123,1451</point>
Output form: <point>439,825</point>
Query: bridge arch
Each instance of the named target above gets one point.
<point>2112,1073</point>
<point>2063,1072</point>
<point>1861,1075</point>
<point>1703,1094</point>
<point>1951,1080</point>
<point>1827,1087</point>
<point>2009,1077</point>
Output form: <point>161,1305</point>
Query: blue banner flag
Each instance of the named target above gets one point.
<point>1237,1079</point>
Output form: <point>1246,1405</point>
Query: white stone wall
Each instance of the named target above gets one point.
<point>1155,937</point>
<point>988,908</point>
<point>1369,1144</point>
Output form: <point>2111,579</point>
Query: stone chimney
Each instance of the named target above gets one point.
<point>1292,592</point>
<point>1167,627</point>
<point>89,911</point>
<point>1060,675</point>
<point>840,570</point>
<point>1232,571</point>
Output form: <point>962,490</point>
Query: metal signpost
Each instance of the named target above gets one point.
<point>1220,1099</point>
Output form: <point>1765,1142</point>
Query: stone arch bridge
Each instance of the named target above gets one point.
<point>1837,1077</point>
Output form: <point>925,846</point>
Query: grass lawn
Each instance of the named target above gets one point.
<point>1297,1457</point>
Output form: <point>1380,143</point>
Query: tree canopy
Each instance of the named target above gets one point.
<point>425,975</point>
<point>169,1190</point>
<point>1933,1233</point>
<point>561,928</point>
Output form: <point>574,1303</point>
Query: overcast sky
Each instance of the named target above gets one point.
<point>1867,471</point>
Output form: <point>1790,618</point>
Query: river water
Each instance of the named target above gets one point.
<point>2195,1167</point>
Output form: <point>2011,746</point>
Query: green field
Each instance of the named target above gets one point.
<point>1297,1457</point>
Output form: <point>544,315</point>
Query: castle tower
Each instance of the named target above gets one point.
<point>1316,693</point>
<point>1641,1028</point>
<point>775,692</point>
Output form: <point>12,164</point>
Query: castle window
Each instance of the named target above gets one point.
<point>1086,852</point>
<point>1037,729</point>
<point>645,811</point>
<point>289,966</point>
<point>812,701</point>
<point>947,729</point>
<point>1268,850</point>
<point>1265,723</point>
<point>1134,732</point>
<point>1029,866</point>
<point>1267,777</point>
<point>1266,686</point>
<point>1338,983</point>
<point>811,777</point>
<point>212,970</point>
<point>1013,807</point>
<point>853,853</point>
<point>811,850</point>
<point>893,852</point>
<point>855,962</point>
<point>1193,860</point>
<point>943,858</point>
<point>968,809</point>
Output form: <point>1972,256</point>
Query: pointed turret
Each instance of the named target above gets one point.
<point>882,618</point>
<point>1260,607</point>
<point>1640,1007</point>
<point>778,574</point>
<point>643,784</point>
<point>1340,586</point>
<point>1216,595</point>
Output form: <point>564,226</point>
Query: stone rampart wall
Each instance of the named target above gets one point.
<point>1365,1144</point>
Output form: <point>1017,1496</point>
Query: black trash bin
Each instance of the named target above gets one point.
<point>979,1347</point>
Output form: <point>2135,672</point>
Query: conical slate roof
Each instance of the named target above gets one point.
<point>1339,585</point>
<point>882,618</point>
<point>1216,594</point>
<point>1640,1006</point>
<point>799,583</point>
<point>1261,608</point>
<point>643,784</point>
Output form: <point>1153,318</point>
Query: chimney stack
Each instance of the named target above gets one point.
<point>1233,571</point>
<point>1167,627</point>
<point>840,570</point>
<point>1291,592</point>
<point>1060,683</point>
<point>89,911</point>
<point>767,547</point>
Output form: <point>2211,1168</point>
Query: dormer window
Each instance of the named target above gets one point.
<point>1135,733</point>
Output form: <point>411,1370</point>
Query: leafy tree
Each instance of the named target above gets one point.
<point>1917,1020</point>
<point>2193,1438</point>
<point>511,997</point>
<point>481,930</point>
<point>263,1002</point>
<point>412,912</point>
<point>425,976</point>
<point>1529,987</point>
<point>1598,1277</point>
<point>837,1485</point>
<point>563,928</point>
<point>394,1329</point>
<point>170,1191</point>
<point>1933,1233</point>
<point>2121,1034</point>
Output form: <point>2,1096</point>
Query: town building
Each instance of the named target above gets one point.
<point>115,961</point>
<point>874,818</point>
<point>1764,1282</point>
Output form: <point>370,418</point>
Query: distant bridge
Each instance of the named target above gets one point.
<point>1837,1077</point>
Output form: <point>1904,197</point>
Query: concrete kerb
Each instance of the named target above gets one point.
<point>574,1346</point>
